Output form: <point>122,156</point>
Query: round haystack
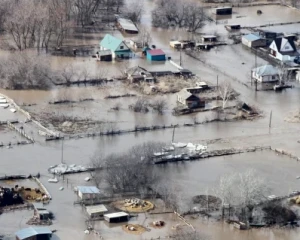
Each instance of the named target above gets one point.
<point>157,224</point>
<point>145,206</point>
<point>134,229</point>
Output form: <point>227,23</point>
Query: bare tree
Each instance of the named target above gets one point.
<point>25,71</point>
<point>96,163</point>
<point>68,74</point>
<point>144,37</point>
<point>225,92</point>
<point>159,105</point>
<point>141,105</point>
<point>133,11</point>
<point>178,13</point>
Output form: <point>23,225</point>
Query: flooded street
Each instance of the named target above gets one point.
<point>231,62</point>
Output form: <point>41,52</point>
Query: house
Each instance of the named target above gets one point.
<point>223,11</point>
<point>283,49</point>
<point>96,211</point>
<point>138,74</point>
<point>253,40</point>
<point>183,44</point>
<point>34,233</point>
<point>116,217</point>
<point>104,55</point>
<point>175,44</point>
<point>209,38</point>
<point>156,55</point>
<point>233,27</point>
<point>265,74</point>
<point>127,26</point>
<point>88,192</point>
<point>118,48</point>
<point>194,90</point>
<point>189,100</point>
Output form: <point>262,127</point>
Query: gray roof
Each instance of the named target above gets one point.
<point>266,70</point>
<point>104,52</point>
<point>88,189</point>
<point>96,209</point>
<point>32,231</point>
<point>127,24</point>
<point>185,94</point>
<point>116,215</point>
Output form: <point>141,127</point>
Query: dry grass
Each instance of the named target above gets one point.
<point>138,229</point>
<point>133,209</point>
<point>34,194</point>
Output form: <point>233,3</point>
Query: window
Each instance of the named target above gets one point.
<point>286,47</point>
<point>273,77</point>
<point>122,47</point>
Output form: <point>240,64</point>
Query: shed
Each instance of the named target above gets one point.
<point>34,233</point>
<point>88,192</point>
<point>156,55</point>
<point>42,213</point>
<point>116,217</point>
<point>189,100</point>
<point>253,40</point>
<point>136,43</point>
<point>209,38</point>
<point>233,27</point>
<point>126,25</point>
<point>265,74</point>
<point>204,85</point>
<point>175,44</point>
<point>223,11</point>
<point>104,55</point>
<point>96,211</point>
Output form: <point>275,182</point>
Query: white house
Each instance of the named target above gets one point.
<point>265,74</point>
<point>283,49</point>
<point>96,211</point>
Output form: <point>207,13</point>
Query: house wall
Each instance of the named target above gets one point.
<point>123,54</point>
<point>156,57</point>
<point>259,43</point>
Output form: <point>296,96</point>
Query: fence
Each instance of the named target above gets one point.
<point>20,131</point>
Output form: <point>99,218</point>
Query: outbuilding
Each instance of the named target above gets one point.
<point>96,211</point>
<point>223,11</point>
<point>253,40</point>
<point>34,233</point>
<point>233,27</point>
<point>88,192</point>
<point>189,100</point>
<point>104,55</point>
<point>265,74</point>
<point>126,25</point>
<point>209,38</point>
<point>156,55</point>
<point>116,217</point>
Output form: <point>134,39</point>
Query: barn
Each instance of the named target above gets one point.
<point>156,55</point>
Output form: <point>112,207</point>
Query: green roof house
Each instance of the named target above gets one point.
<point>118,47</point>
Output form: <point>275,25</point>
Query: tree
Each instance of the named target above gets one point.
<point>96,162</point>
<point>178,13</point>
<point>131,171</point>
<point>25,71</point>
<point>159,105</point>
<point>133,11</point>
<point>85,9</point>
<point>225,92</point>
<point>144,37</point>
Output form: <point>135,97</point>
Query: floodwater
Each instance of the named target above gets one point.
<point>192,177</point>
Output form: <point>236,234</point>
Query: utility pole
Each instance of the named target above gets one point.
<point>270,121</point>
<point>173,134</point>
<point>62,151</point>
<point>180,60</point>
<point>217,82</point>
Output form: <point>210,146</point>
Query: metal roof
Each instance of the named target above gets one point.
<point>96,209</point>
<point>88,189</point>
<point>116,215</point>
<point>266,70</point>
<point>209,36</point>
<point>127,24</point>
<point>251,37</point>
<point>110,42</point>
<point>32,231</point>
<point>156,52</point>
<point>104,52</point>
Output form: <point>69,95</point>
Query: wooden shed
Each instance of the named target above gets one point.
<point>116,217</point>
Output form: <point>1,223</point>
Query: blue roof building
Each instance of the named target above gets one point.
<point>254,40</point>
<point>88,192</point>
<point>32,233</point>
<point>117,46</point>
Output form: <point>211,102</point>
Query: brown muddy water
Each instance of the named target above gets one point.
<point>192,177</point>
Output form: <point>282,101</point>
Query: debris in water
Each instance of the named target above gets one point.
<point>61,188</point>
<point>13,110</point>
<point>87,179</point>
<point>53,180</point>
